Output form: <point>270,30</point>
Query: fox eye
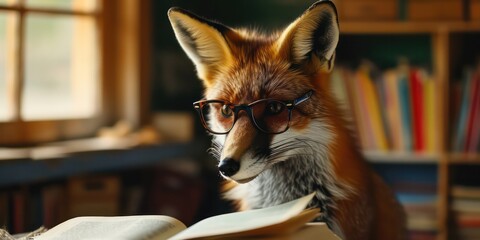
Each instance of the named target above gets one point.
<point>227,111</point>
<point>274,108</point>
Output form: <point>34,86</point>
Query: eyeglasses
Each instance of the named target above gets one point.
<point>270,116</point>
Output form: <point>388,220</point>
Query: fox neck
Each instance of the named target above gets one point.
<point>309,169</point>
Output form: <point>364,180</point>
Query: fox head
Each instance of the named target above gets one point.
<point>240,66</point>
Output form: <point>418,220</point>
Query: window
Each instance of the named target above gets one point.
<point>49,65</point>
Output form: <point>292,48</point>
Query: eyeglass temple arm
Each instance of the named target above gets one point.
<point>303,98</point>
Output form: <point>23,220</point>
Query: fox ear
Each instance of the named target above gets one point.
<point>312,38</point>
<point>203,40</point>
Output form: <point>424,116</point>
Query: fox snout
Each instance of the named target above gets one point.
<point>228,167</point>
<point>243,151</point>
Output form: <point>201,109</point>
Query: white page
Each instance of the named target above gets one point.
<point>315,230</point>
<point>244,221</point>
<point>115,228</point>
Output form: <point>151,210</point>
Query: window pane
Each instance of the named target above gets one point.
<point>79,5</point>
<point>7,64</point>
<point>61,68</point>
<point>8,2</point>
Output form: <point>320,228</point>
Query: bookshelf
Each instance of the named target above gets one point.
<point>115,179</point>
<point>451,45</point>
<point>446,47</point>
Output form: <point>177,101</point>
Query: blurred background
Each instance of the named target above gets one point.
<point>96,115</point>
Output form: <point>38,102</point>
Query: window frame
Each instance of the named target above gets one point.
<point>116,95</point>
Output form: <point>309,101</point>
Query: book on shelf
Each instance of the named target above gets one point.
<point>475,10</point>
<point>417,91</point>
<point>461,191</point>
<point>433,10</point>
<point>459,137</point>
<point>466,220</point>
<point>373,113</point>
<point>405,107</point>
<point>473,120</point>
<point>394,110</point>
<point>469,233</point>
<point>93,195</point>
<point>420,209</point>
<point>467,225</point>
<point>174,193</point>
<point>466,205</point>
<point>19,211</point>
<point>54,204</point>
<point>468,192</point>
<point>285,221</point>
<point>466,211</point>
<point>416,189</point>
<point>422,235</point>
<point>466,131</point>
<point>362,114</point>
<point>430,114</point>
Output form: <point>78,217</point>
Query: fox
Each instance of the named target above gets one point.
<point>277,130</point>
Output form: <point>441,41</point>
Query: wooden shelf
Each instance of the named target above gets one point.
<point>464,158</point>
<point>401,157</point>
<point>26,171</point>
<point>407,27</point>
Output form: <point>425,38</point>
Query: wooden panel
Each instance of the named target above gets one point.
<point>368,10</point>
<point>443,190</point>
<point>443,10</point>
<point>475,9</point>
<point>396,27</point>
<point>441,57</point>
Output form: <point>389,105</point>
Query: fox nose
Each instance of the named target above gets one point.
<point>228,167</point>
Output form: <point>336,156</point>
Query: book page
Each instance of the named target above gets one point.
<point>285,228</point>
<point>245,221</point>
<point>128,227</point>
<point>308,231</point>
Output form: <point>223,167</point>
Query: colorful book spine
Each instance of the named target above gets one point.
<point>472,120</point>
<point>474,145</point>
<point>379,83</point>
<point>353,103</point>
<point>363,112</point>
<point>374,112</point>
<point>392,108</point>
<point>417,109</point>
<point>405,113</point>
<point>393,111</point>
<point>375,115</point>
<point>459,138</point>
<point>430,116</point>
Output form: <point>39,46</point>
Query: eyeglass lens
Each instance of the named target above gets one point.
<point>269,116</point>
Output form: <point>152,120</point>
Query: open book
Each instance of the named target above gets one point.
<point>285,221</point>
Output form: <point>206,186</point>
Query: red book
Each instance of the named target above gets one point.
<point>467,220</point>
<point>417,109</point>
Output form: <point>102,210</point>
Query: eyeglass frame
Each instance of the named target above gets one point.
<point>290,105</point>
